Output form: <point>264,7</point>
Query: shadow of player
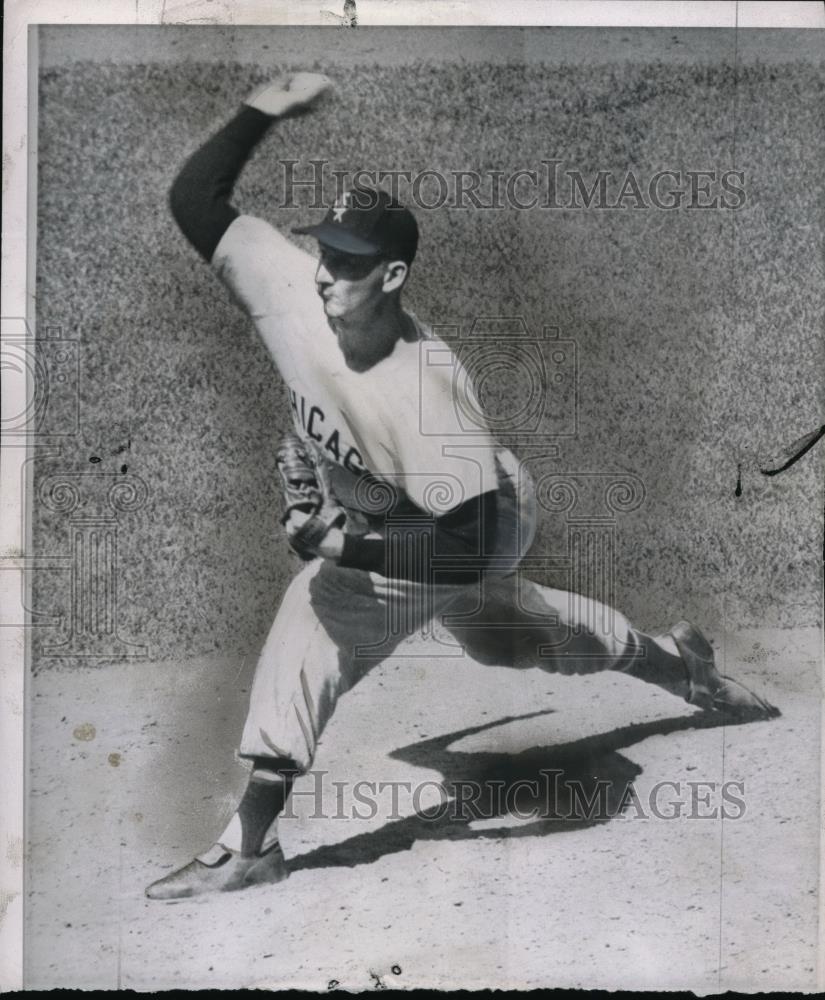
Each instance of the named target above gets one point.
<point>566,787</point>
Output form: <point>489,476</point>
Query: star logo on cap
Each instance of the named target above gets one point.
<point>341,206</point>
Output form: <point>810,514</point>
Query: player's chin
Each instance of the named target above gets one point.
<point>332,309</point>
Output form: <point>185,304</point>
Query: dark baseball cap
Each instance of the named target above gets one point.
<point>367,222</point>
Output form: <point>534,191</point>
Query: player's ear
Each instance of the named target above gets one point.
<point>395,274</point>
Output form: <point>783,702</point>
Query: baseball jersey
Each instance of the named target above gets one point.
<point>403,421</point>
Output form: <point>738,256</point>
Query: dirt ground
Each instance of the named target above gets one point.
<point>132,771</point>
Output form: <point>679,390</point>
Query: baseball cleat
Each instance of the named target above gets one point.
<point>221,870</point>
<point>708,688</point>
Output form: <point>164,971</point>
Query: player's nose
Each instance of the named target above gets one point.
<point>322,276</point>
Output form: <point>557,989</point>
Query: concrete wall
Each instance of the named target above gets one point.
<point>696,333</point>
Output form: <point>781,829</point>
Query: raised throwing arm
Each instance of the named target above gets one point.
<point>199,197</point>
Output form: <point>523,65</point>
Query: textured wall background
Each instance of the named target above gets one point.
<point>698,333</point>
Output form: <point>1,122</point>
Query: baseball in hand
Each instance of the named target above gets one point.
<point>300,93</point>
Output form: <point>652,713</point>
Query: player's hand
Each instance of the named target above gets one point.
<point>331,546</point>
<point>299,93</point>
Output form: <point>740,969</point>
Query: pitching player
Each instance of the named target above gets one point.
<point>396,526</point>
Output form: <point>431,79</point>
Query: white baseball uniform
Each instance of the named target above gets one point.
<point>334,622</point>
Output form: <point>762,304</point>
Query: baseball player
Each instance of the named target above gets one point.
<point>395,526</point>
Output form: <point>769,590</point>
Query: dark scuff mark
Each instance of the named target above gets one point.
<point>799,448</point>
<point>796,451</point>
<point>738,491</point>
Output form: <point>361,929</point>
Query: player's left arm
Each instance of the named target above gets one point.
<point>446,494</point>
<point>466,531</point>
<point>459,542</point>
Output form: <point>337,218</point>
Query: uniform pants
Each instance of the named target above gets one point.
<point>335,624</point>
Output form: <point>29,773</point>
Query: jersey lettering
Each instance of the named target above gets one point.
<point>312,427</point>
<point>315,411</point>
<point>353,461</point>
<point>332,446</point>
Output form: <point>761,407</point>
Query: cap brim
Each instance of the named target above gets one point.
<point>339,238</point>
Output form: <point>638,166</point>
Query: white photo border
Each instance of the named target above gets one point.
<point>19,206</point>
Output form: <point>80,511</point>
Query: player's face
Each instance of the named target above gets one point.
<point>348,283</point>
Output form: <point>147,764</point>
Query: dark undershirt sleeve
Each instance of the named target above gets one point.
<point>462,542</point>
<point>199,197</point>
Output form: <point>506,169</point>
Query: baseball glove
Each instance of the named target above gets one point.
<point>303,492</point>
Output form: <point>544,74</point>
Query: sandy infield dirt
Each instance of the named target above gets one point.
<point>134,773</point>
